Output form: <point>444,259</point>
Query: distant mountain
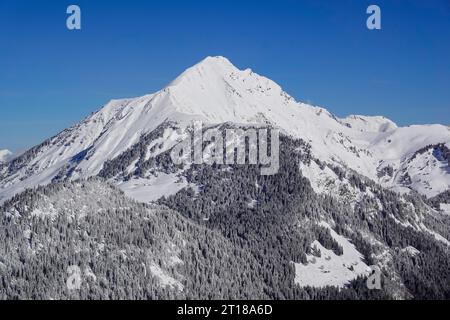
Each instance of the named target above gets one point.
<point>5,155</point>
<point>350,194</point>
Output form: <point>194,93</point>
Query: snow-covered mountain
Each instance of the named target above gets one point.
<point>313,231</point>
<point>216,92</point>
<point>5,155</point>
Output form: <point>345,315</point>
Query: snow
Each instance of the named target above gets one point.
<point>5,155</point>
<point>369,124</point>
<point>153,188</point>
<point>330,269</point>
<point>429,173</point>
<point>90,274</point>
<point>252,204</point>
<point>215,91</point>
<point>439,237</point>
<point>165,279</point>
<point>322,181</point>
<point>325,181</point>
<point>411,250</point>
<point>169,139</point>
<point>38,213</point>
<point>445,208</point>
<point>436,235</point>
<point>405,141</point>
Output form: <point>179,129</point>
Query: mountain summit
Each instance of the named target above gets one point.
<point>5,155</point>
<point>215,91</point>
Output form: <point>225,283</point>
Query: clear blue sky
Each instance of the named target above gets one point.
<point>319,51</point>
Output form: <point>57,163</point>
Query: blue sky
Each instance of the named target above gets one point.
<point>319,51</point>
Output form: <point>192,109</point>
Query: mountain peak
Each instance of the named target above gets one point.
<point>5,155</point>
<point>206,70</point>
<point>217,91</point>
<point>216,60</point>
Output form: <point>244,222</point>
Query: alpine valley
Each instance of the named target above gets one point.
<point>104,196</point>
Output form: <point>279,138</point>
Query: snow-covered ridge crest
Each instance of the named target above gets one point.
<point>215,91</point>
<point>369,123</point>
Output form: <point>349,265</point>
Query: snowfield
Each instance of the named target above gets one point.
<point>330,269</point>
<point>153,188</point>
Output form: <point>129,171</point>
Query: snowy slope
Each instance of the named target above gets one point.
<point>215,91</point>
<point>148,190</point>
<point>329,268</point>
<point>369,124</point>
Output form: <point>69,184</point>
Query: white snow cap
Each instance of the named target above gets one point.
<point>5,155</point>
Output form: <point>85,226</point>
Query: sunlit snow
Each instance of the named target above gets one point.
<point>330,269</point>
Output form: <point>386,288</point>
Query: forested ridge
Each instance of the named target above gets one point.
<point>235,236</point>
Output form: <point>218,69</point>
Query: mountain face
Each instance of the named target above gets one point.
<point>230,234</point>
<point>215,92</point>
<point>350,194</point>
